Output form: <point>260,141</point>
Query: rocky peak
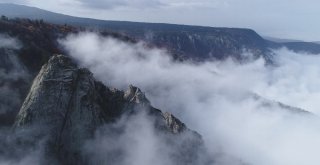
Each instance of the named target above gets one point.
<point>134,95</point>
<point>175,125</point>
<point>67,105</point>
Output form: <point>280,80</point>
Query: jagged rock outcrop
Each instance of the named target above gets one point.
<point>67,105</point>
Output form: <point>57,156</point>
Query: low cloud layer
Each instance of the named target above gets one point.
<point>217,98</point>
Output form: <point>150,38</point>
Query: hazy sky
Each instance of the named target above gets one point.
<point>296,19</point>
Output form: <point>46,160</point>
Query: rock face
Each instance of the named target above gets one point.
<point>67,105</point>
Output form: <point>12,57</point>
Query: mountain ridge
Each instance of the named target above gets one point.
<point>184,41</point>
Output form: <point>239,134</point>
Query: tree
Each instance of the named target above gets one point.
<point>4,18</point>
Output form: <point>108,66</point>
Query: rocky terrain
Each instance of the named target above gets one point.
<point>66,105</point>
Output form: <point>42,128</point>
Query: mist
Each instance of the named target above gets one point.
<point>13,74</point>
<point>11,71</point>
<point>134,140</point>
<point>219,99</point>
<point>9,42</point>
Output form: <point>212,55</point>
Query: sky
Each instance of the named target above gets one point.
<point>289,19</point>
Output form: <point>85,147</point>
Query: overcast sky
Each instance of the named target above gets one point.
<point>295,19</point>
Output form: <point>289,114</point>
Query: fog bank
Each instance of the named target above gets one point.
<point>219,98</point>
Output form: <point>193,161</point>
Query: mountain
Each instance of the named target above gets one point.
<point>185,42</point>
<point>308,47</point>
<point>38,41</point>
<point>280,40</point>
<point>62,117</point>
<point>67,106</point>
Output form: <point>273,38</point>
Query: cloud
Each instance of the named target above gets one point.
<point>127,146</point>
<point>15,1</point>
<point>149,4</point>
<point>112,4</point>
<point>295,80</point>
<point>134,140</point>
<point>20,147</point>
<point>216,98</point>
<point>195,4</point>
<point>12,72</point>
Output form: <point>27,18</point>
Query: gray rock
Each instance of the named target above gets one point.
<point>67,105</point>
<point>175,125</point>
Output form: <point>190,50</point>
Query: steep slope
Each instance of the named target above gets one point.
<point>67,105</point>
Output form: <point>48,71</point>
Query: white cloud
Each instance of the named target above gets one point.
<point>15,1</point>
<point>145,4</point>
<point>295,81</point>
<point>112,4</point>
<point>214,97</point>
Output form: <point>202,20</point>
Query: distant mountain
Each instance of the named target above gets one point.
<point>297,45</point>
<point>280,40</point>
<point>195,42</point>
<point>309,47</point>
<point>21,11</point>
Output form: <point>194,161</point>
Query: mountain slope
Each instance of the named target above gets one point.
<point>67,105</point>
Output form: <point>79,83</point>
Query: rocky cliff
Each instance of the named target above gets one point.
<point>67,105</point>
